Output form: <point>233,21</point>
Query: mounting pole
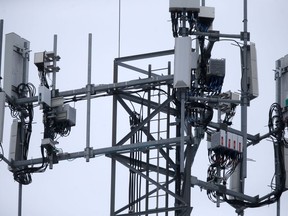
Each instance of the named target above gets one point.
<point>1,45</point>
<point>54,64</point>
<point>88,98</point>
<point>20,199</point>
<point>114,141</point>
<point>244,98</point>
<point>203,2</point>
<point>182,129</point>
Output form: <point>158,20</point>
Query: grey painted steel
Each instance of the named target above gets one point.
<point>148,138</point>
<point>54,63</point>
<point>5,160</point>
<point>108,88</point>
<point>88,123</point>
<point>145,56</point>
<point>134,130</point>
<point>119,28</point>
<point>217,35</point>
<point>136,69</point>
<point>154,211</point>
<point>253,138</point>
<point>222,189</point>
<point>203,2</point>
<point>145,102</point>
<point>245,100</point>
<point>152,181</point>
<point>1,46</point>
<point>167,155</point>
<point>20,199</point>
<point>114,141</point>
<point>182,129</point>
<point>144,165</point>
<point>143,197</point>
<point>183,161</point>
<point>215,100</point>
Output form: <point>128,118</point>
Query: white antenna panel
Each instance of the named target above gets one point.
<point>2,114</point>
<point>15,63</point>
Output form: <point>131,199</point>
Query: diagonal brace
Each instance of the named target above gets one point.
<point>145,121</point>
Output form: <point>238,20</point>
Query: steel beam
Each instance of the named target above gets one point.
<point>149,136</point>
<point>108,150</point>
<point>177,197</point>
<point>145,56</point>
<point>145,121</point>
<point>136,69</point>
<point>222,189</point>
<point>143,197</point>
<point>108,88</point>
<point>145,102</point>
<point>155,211</point>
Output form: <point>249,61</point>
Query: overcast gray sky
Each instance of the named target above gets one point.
<point>80,188</point>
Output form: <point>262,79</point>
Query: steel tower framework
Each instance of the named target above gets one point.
<point>160,143</point>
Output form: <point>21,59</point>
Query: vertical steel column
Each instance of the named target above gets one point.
<point>114,120</point>
<point>278,207</point>
<point>278,87</point>
<point>278,78</point>
<point>88,123</point>
<point>244,98</point>
<point>167,137</point>
<point>119,28</point>
<point>178,181</point>
<point>114,141</point>
<point>1,46</point>
<point>182,129</point>
<point>148,151</point>
<point>22,120</point>
<point>20,199</point>
<point>25,65</point>
<point>158,154</point>
<point>54,64</point>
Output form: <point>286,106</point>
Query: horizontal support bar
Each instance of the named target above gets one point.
<point>144,56</point>
<point>136,69</point>
<point>253,138</point>
<point>138,83</point>
<point>108,150</point>
<point>158,210</point>
<point>222,189</point>
<point>145,102</point>
<point>215,100</point>
<point>217,35</point>
<point>145,166</point>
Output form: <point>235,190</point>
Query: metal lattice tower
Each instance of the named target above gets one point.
<point>166,120</point>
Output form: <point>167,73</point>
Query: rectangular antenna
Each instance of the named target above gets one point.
<point>2,114</point>
<point>252,71</point>
<point>15,63</point>
<point>15,150</point>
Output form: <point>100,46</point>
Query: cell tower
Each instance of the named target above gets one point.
<point>170,111</point>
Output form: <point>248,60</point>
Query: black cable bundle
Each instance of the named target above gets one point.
<point>25,114</point>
